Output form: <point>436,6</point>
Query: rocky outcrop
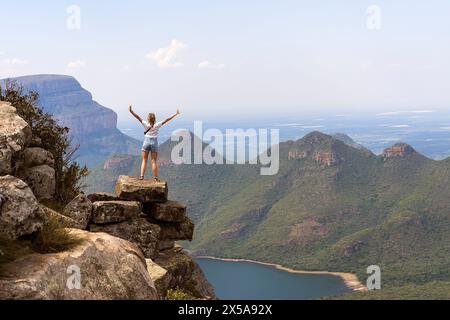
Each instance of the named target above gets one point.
<point>321,148</point>
<point>15,136</point>
<point>141,213</point>
<point>131,188</point>
<point>398,150</point>
<point>33,165</point>
<point>137,230</point>
<point>80,210</point>
<point>328,158</point>
<point>20,213</point>
<point>102,267</point>
<point>115,211</point>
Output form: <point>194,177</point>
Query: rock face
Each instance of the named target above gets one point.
<point>184,273</point>
<point>170,211</point>
<point>115,211</point>
<point>65,221</point>
<point>102,196</point>
<point>109,268</point>
<point>322,148</point>
<point>80,210</point>
<point>160,276</point>
<point>36,156</point>
<point>15,135</point>
<point>91,125</point>
<point>20,213</point>
<point>177,230</point>
<point>137,230</point>
<point>41,179</point>
<point>131,188</point>
<point>398,150</point>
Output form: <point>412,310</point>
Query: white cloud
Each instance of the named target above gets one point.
<point>395,113</point>
<point>76,64</point>
<point>15,61</point>
<point>400,126</point>
<point>208,65</point>
<point>164,56</point>
<point>125,68</point>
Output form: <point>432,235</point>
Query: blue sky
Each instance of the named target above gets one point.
<point>238,58</point>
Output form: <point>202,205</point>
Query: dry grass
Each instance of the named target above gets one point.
<point>54,237</point>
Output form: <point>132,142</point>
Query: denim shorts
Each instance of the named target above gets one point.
<point>150,144</point>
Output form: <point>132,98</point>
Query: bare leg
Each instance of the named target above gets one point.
<point>154,166</point>
<point>144,162</point>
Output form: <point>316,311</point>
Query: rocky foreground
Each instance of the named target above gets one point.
<point>128,248</point>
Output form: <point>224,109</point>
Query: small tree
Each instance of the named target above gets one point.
<point>53,137</point>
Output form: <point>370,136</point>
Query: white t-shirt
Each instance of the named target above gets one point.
<point>153,132</point>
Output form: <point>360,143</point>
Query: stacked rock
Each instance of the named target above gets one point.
<point>139,212</point>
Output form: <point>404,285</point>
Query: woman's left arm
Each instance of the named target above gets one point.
<point>171,117</point>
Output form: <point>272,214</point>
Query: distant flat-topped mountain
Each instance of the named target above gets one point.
<point>332,206</point>
<point>91,125</point>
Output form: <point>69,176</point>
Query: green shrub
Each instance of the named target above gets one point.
<point>179,294</point>
<point>54,237</point>
<point>53,137</point>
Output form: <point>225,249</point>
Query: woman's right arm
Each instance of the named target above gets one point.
<point>130,108</point>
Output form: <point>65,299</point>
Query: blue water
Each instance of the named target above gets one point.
<point>247,280</point>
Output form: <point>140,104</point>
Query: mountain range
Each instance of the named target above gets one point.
<point>333,205</point>
<point>92,126</point>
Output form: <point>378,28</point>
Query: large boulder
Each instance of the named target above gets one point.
<point>80,210</point>
<point>183,230</point>
<point>35,156</point>
<point>101,267</point>
<point>170,211</point>
<point>41,179</point>
<point>131,188</point>
<point>15,135</point>
<point>20,213</point>
<point>115,211</point>
<point>102,196</point>
<point>185,273</point>
<point>137,230</point>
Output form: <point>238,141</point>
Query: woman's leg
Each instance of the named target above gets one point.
<point>144,162</point>
<point>154,166</point>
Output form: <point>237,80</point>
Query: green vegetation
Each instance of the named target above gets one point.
<point>179,294</point>
<point>54,237</point>
<point>51,137</point>
<point>364,210</point>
